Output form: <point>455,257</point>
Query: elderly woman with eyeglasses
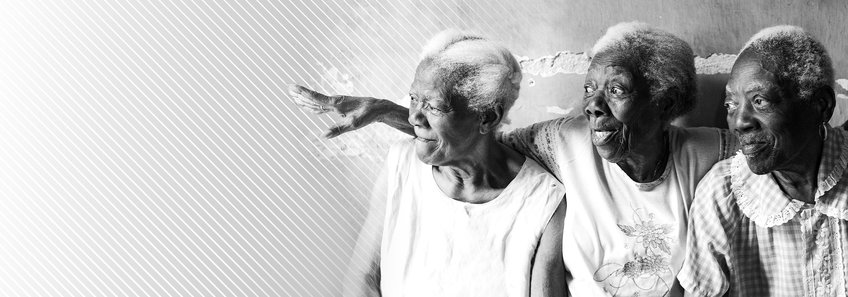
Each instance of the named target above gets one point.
<point>629,175</point>
<point>771,221</point>
<point>457,213</point>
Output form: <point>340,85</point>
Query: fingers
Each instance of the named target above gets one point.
<point>340,128</point>
<point>307,94</point>
<point>313,101</point>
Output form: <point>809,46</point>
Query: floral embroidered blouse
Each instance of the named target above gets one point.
<point>748,238</point>
<point>620,237</point>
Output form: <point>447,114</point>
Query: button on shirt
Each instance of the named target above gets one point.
<point>747,238</point>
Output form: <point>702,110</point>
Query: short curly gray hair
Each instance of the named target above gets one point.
<point>482,72</point>
<point>798,61</point>
<point>664,61</point>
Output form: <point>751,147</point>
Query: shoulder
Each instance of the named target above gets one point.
<point>712,142</point>
<point>714,196</point>
<point>718,179</point>
<point>400,157</point>
<point>536,179</point>
<point>402,147</point>
<point>552,128</point>
<point>701,147</point>
<point>401,150</point>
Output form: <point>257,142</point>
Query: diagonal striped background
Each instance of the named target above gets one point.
<point>147,148</point>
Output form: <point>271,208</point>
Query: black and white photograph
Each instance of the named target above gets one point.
<point>543,148</point>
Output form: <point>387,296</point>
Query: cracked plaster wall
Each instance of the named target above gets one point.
<point>550,37</point>
<point>371,48</point>
<point>546,74</point>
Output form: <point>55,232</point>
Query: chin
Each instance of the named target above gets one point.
<point>427,156</point>
<point>610,153</point>
<point>424,157</point>
<point>760,166</point>
<point>764,161</point>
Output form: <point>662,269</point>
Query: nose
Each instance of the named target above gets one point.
<point>742,120</point>
<point>416,117</point>
<point>596,106</point>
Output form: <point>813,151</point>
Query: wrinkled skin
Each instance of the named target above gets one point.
<point>445,130</point>
<point>626,128</point>
<point>775,130</point>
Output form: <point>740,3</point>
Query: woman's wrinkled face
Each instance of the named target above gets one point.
<point>445,130</point>
<point>773,129</point>
<point>618,108</point>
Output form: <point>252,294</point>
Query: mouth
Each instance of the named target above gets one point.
<point>753,148</point>
<point>425,140</point>
<point>601,137</point>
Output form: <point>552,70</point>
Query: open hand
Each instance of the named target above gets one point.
<point>356,112</point>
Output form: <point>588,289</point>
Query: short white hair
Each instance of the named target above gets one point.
<point>798,61</point>
<point>482,72</point>
<point>663,60</point>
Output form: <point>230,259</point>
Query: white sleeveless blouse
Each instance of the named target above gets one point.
<point>434,245</point>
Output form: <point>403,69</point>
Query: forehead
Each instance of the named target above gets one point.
<point>601,70</point>
<point>429,79</point>
<point>748,74</point>
<point>611,63</point>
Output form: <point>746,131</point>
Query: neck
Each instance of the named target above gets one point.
<point>647,159</point>
<point>487,166</point>
<point>478,165</point>
<point>800,179</point>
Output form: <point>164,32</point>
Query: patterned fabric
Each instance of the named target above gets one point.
<point>747,238</point>
<point>620,237</point>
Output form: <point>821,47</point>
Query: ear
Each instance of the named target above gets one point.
<point>490,120</point>
<point>825,98</point>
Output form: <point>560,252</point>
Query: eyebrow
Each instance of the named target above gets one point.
<point>754,87</point>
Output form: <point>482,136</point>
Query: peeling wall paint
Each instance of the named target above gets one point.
<point>714,64</point>
<point>843,83</point>
<point>559,63</point>
<point>712,70</point>
<point>577,63</point>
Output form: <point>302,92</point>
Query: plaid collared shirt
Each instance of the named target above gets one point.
<point>747,238</point>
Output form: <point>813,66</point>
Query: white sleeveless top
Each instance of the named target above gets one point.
<point>434,245</point>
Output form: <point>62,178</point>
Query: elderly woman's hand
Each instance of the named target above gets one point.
<point>357,112</point>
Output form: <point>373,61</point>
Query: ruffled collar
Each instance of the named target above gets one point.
<point>760,198</point>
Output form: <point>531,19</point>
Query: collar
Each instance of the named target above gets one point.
<point>760,198</point>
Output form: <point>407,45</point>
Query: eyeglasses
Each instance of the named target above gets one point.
<point>426,107</point>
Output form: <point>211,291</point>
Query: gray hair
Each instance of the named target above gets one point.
<point>798,61</point>
<point>664,61</point>
<point>485,74</point>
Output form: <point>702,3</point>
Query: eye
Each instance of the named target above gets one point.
<point>588,89</point>
<point>616,91</point>
<point>730,105</point>
<point>760,102</point>
<point>436,111</point>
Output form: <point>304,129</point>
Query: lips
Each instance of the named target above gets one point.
<point>601,137</point>
<point>423,139</point>
<point>753,144</point>
<point>753,148</point>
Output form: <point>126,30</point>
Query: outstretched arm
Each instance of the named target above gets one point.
<point>547,277</point>
<point>357,112</point>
